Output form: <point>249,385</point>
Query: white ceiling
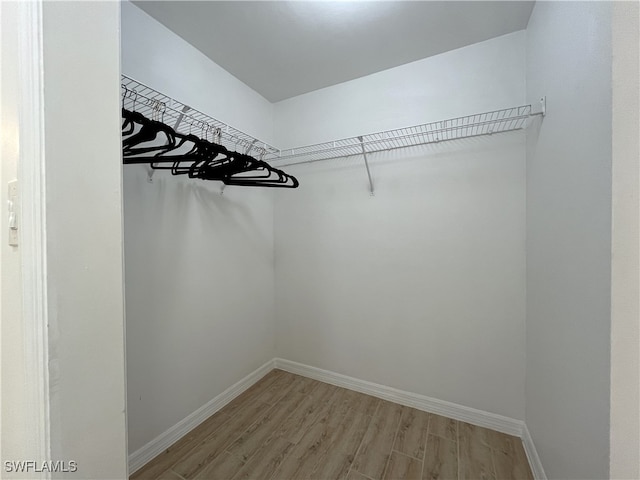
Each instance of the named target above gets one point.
<point>285,48</point>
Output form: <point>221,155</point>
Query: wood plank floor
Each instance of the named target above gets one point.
<point>288,427</point>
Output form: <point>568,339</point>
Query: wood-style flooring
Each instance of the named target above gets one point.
<point>288,427</point>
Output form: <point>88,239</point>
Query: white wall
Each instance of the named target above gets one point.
<point>200,295</point>
<point>569,238</point>
<point>420,287</point>
<point>199,265</point>
<point>478,78</point>
<point>15,441</point>
<point>625,281</point>
<point>84,237</point>
<point>154,55</point>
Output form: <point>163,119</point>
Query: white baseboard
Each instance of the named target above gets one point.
<point>421,402</point>
<point>532,455</point>
<point>480,418</point>
<point>163,441</point>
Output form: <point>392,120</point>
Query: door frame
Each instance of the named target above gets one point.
<point>33,225</point>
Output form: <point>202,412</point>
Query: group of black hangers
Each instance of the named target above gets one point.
<point>153,142</point>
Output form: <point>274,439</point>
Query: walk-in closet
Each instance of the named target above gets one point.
<point>294,240</point>
<point>382,290</point>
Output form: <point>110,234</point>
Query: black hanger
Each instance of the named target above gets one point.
<point>205,160</point>
<point>149,131</point>
<point>200,151</point>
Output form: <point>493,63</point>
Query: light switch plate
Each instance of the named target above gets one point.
<point>12,214</point>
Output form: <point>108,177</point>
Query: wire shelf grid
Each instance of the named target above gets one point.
<point>141,98</point>
<point>487,123</point>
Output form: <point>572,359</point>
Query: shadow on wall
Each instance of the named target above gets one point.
<point>181,204</point>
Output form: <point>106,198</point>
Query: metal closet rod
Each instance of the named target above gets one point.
<point>486,123</point>
<point>479,124</point>
<point>150,102</point>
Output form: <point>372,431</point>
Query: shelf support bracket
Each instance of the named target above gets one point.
<point>366,164</point>
<point>543,108</point>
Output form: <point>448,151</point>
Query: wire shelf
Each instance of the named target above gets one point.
<point>487,123</point>
<point>139,97</point>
